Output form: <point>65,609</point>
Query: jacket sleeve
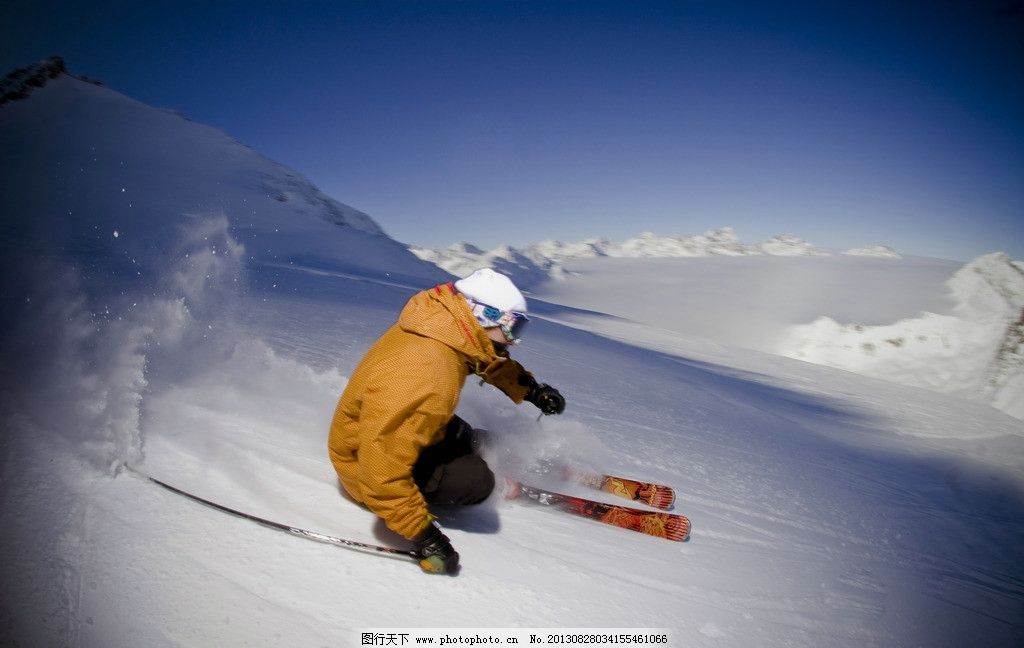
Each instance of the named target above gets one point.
<point>404,410</point>
<point>509,376</point>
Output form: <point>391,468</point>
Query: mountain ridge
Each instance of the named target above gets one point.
<point>545,260</point>
<point>110,162</point>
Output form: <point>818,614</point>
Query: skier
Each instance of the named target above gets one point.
<point>395,440</point>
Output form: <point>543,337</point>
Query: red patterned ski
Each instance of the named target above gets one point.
<point>669,526</point>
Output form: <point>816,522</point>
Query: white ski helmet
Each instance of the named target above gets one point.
<point>488,287</point>
<point>495,301</point>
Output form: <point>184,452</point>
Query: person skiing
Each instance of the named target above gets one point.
<point>395,441</point>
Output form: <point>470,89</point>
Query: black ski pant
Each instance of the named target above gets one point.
<point>451,471</point>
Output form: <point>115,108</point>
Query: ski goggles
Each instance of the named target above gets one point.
<point>512,323</point>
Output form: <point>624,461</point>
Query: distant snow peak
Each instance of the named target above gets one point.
<point>544,260</point>
<point>789,245</point>
<point>559,251</point>
<point>718,242</point>
<point>879,251</point>
<point>462,259</point>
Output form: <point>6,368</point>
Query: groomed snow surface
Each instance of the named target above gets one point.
<point>205,347</point>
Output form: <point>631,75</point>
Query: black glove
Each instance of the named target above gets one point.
<point>435,551</point>
<point>546,398</point>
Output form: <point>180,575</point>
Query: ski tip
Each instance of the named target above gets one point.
<point>678,529</point>
<point>664,498</point>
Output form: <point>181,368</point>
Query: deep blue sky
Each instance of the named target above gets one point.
<point>844,123</point>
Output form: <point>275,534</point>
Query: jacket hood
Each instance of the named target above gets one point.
<point>442,314</point>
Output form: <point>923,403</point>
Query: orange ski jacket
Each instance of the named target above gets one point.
<point>402,395</point>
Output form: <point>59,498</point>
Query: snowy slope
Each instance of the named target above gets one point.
<point>91,170</point>
<point>828,508</point>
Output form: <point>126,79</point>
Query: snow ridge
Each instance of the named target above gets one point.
<point>545,259</point>
<point>879,251</point>
<point>289,186</point>
<point>19,83</point>
<point>96,152</point>
<point>978,350</point>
